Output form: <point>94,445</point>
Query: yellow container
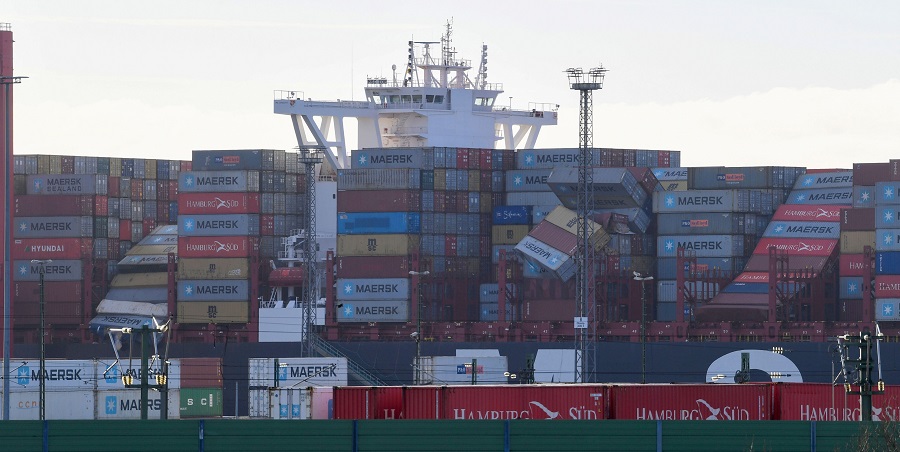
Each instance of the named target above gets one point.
<point>213,312</point>
<point>508,234</point>
<point>376,244</point>
<point>854,242</point>
<point>140,279</point>
<point>474,180</point>
<point>155,250</point>
<point>568,220</point>
<point>214,268</point>
<point>440,179</point>
<point>674,185</point>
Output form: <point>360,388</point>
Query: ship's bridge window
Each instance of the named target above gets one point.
<point>484,101</point>
<point>405,98</point>
<point>394,99</point>
<point>417,98</point>
<point>376,98</point>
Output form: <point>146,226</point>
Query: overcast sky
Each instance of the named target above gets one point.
<point>763,82</point>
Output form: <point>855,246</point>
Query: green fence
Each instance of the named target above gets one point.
<point>467,435</point>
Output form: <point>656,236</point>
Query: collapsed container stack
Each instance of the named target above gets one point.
<point>84,214</point>
<point>717,223</point>
<point>805,232</point>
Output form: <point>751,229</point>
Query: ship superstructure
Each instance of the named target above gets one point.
<point>428,105</point>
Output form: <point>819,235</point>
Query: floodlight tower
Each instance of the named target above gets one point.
<point>585,301</point>
<point>309,157</point>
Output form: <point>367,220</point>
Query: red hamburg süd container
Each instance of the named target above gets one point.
<point>162,190</point>
<point>859,219</point>
<point>354,402</point>
<point>760,263</point>
<point>372,266</point>
<point>70,248</point>
<point>797,246</point>
<point>379,201</point>
<point>723,402</point>
<point>55,206</point>
<point>824,402</point>
<point>851,265</point>
<point>887,286</point>
<point>173,190</point>
<point>29,292</point>
<point>201,373</point>
<point>794,212</point>
<point>230,246</point>
<point>218,203</point>
<point>663,158</point>
<point>388,402</point>
<point>550,402</point>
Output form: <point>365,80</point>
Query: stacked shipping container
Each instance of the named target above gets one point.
<point>83,213</point>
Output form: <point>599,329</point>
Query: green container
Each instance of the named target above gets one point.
<point>201,402</point>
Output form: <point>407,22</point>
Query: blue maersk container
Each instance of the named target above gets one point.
<point>851,287</point>
<point>379,223</point>
<point>887,263</point>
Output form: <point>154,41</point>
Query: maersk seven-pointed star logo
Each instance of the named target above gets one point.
<point>808,181</point>
<point>348,288</point>
<point>887,310</point>
<point>23,375</point>
<point>864,195</point>
<point>188,290</point>
<point>348,310</point>
<point>801,197</point>
<point>851,287</point>
<point>888,216</point>
<point>670,200</point>
<point>38,185</point>
<point>888,192</point>
<point>189,181</point>
<point>283,410</point>
<point>658,173</point>
<point>23,226</point>
<point>778,229</point>
<point>111,402</point>
<point>189,224</point>
<point>23,270</point>
<point>517,180</point>
<point>528,159</point>
<point>669,246</point>
<point>888,238</point>
<point>363,159</point>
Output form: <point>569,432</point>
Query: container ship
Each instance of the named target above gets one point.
<point>448,233</point>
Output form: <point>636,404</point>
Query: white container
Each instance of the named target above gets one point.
<point>60,375</point>
<point>109,380</point>
<point>298,372</point>
<point>126,404</point>
<point>258,406</point>
<point>457,370</point>
<point>158,310</point>
<point>60,404</point>
<point>291,403</point>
